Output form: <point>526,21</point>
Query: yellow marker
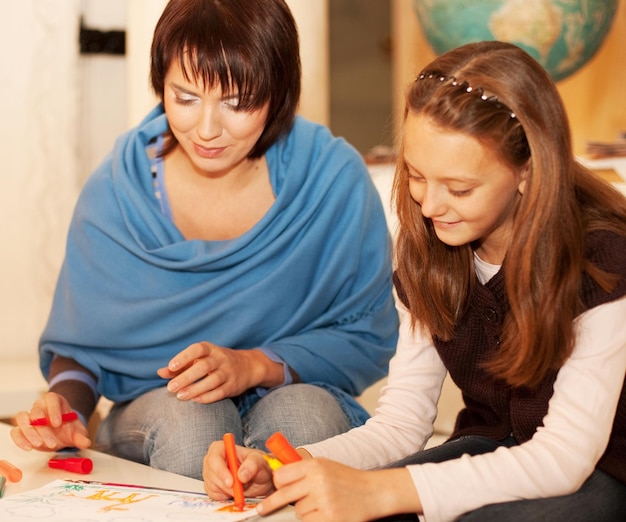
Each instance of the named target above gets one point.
<point>273,462</point>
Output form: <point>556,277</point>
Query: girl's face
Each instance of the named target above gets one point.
<point>462,187</point>
<point>213,132</point>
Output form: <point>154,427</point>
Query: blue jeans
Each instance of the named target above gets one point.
<point>600,499</point>
<point>159,430</point>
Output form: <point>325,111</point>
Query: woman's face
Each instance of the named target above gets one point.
<point>213,132</point>
<point>462,187</point>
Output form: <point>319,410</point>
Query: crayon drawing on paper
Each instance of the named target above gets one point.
<point>73,501</point>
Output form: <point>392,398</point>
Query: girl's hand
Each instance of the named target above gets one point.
<point>57,434</point>
<point>204,372</point>
<point>254,473</point>
<point>325,490</point>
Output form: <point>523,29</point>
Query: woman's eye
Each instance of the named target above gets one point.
<point>232,103</point>
<point>185,100</point>
<point>460,193</point>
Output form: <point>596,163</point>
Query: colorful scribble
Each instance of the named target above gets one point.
<point>232,508</point>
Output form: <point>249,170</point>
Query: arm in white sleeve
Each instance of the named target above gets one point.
<point>406,409</point>
<point>564,452</point>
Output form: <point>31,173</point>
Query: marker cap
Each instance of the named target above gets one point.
<point>73,464</point>
<point>280,447</point>
<point>9,471</point>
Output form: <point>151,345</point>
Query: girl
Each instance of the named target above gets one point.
<point>511,275</point>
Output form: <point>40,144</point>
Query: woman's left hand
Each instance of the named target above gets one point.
<point>204,372</point>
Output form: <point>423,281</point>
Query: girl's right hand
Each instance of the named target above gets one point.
<point>254,472</point>
<point>56,435</point>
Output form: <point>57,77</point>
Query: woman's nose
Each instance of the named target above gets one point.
<point>209,126</point>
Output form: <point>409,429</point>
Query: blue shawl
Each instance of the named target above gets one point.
<point>311,281</point>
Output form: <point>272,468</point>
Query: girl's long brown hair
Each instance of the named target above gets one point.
<point>562,201</point>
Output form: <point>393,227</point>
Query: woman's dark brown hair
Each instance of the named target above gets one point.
<point>247,47</point>
<point>498,94</point>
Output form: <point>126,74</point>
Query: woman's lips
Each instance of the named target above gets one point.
<point>208,152</point>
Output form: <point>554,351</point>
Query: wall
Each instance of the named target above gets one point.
<point>103,88</point>
<point>593,96</point>
<point>39,99</point>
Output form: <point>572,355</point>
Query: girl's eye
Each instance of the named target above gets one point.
<point>415,177</point>
<point>460,193</point>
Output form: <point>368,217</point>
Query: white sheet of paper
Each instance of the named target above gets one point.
<point>73,501</point>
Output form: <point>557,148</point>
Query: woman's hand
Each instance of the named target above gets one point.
<point>254,473</point>
<point>326,490</point>
<point>204,372</point>
<point>57,434</point>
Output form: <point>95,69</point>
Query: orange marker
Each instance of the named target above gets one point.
<point>280,447</point>
<point>233,465</point>
<point>10,471</point>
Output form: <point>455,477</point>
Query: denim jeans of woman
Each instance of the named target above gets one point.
<point>159,430</point>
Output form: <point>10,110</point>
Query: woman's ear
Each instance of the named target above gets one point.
<point>524,173</point>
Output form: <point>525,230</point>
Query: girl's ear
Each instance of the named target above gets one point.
<point>524,173</point>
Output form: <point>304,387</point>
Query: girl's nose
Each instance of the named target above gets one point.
<point>433,203</point>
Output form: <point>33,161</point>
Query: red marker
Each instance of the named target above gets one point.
<point>73,464</point>
<point>280,447</point>
<point>233,465</point>
<point>45,421</point>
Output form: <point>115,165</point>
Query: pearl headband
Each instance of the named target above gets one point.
<point>451,80</point>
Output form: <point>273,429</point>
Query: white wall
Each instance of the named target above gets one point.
<point>142,18</point>
<point>38,145</point>
<point>104,97</point>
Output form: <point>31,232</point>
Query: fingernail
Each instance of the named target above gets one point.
<point>182,395</point>
<point>172,386</point>
<point>174,365</point>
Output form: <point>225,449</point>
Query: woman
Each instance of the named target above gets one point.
<point>511,274</point>
<point>228,265</point>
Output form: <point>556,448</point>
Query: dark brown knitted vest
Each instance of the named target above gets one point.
<point>496,410</point>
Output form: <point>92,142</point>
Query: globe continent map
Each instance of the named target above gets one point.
<point>562,35</point>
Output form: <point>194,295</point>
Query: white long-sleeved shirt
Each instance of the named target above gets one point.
<point>556,461</point>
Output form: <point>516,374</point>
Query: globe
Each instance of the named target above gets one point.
<point>562,35</point>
